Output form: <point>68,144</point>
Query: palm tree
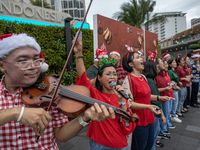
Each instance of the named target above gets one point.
<point>137,13</point>
<point>39,3</point>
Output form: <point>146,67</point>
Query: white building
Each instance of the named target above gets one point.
<point>176,22</point>
<point>195,22</point>
<point>76,8</point>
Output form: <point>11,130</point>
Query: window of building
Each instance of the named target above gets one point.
<point>52,2</point>
<point>81,4</point>
<point>64,4</point>
<point>76,13</point>
<point>71,13</point>
<point>66,11</point>
<point>53,7</point>
<point>82,13</point>
<point>75,4</point>
<point>70,4</point>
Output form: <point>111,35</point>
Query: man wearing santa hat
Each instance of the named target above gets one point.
<point>94,69</point>
<point>195,79</point>
<point>166,56</point>
<point>20,126</point>
<point>121,73</point>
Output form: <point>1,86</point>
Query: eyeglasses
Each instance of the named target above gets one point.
<point>24,65</point>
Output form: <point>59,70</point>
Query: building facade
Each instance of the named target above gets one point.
<point>195,22</point>
<point>179,42</point>
<point>176,22</point>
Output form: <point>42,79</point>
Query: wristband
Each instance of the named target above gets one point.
<point>21,114</point>
<point>81,122</point>
<point>78,56</point>
<point>158,98</point>
<point>122,103</point>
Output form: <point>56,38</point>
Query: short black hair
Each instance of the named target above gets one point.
<point>97,83</point>
<point>150,69</point>
<point>126,60</point>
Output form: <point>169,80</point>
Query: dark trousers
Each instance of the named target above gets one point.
<point>143,137</point>
<point>195,88</point>
<point>187,100</point>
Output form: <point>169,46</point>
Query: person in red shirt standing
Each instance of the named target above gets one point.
<point>143,135</point>
<point>109,134</point>
<point>169,103</point>
<point>182,93</point>
<point>164,89</point>
<point>188,72</point>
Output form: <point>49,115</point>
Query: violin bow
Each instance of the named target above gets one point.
<point>66,63</point>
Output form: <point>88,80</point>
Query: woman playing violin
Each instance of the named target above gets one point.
<point>20,126</point>
<point>108,134</point>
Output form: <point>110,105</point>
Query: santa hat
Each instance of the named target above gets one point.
<point>139,53</point>
<point>10,42</point>
<point>194,55</point>
<point>44,66</point>
<point>165,55</point>
<point>95,57</point>
<point>101,53</point>
<point>115,52</point>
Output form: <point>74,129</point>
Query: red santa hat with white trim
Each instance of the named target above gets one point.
<point>115,52</point>
<point>10,42</point>
<point>101,53</point>
<point>194,55</point>
<point>95,57</point>
<point>139,53</point>
<point>165,55</point>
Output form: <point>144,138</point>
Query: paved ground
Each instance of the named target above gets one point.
<point>186,135</point>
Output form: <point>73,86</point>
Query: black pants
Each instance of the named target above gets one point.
<point>187,100</point>
<point>195,88</point>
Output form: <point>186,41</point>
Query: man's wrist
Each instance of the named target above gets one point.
<point>85,119</point>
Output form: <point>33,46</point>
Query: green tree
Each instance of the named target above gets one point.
<point>137,12</point>
<point>39,3</point>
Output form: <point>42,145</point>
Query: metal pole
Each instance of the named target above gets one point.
<point>42,3</point>
<point>144,46</point>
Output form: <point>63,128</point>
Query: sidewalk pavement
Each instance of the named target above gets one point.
<point>186,135</point>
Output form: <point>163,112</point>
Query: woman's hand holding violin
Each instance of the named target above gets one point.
<point>98,113</point>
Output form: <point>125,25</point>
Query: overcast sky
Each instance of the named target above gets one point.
<point>108,7</point>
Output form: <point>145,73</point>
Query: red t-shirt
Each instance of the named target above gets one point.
<point>181,74</point>
<point>168,81</point>
<point>188,71</point>
<point>109,133</point>
<point>161,82</point>
<point>142,94</point>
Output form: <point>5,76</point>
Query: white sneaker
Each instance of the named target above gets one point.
<point>175,119</point>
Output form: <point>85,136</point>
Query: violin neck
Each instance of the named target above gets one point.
<point>82,98</point>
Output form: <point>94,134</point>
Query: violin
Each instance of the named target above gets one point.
<point>70,100</point>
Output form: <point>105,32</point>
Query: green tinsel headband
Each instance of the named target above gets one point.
<point>106,61</point>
